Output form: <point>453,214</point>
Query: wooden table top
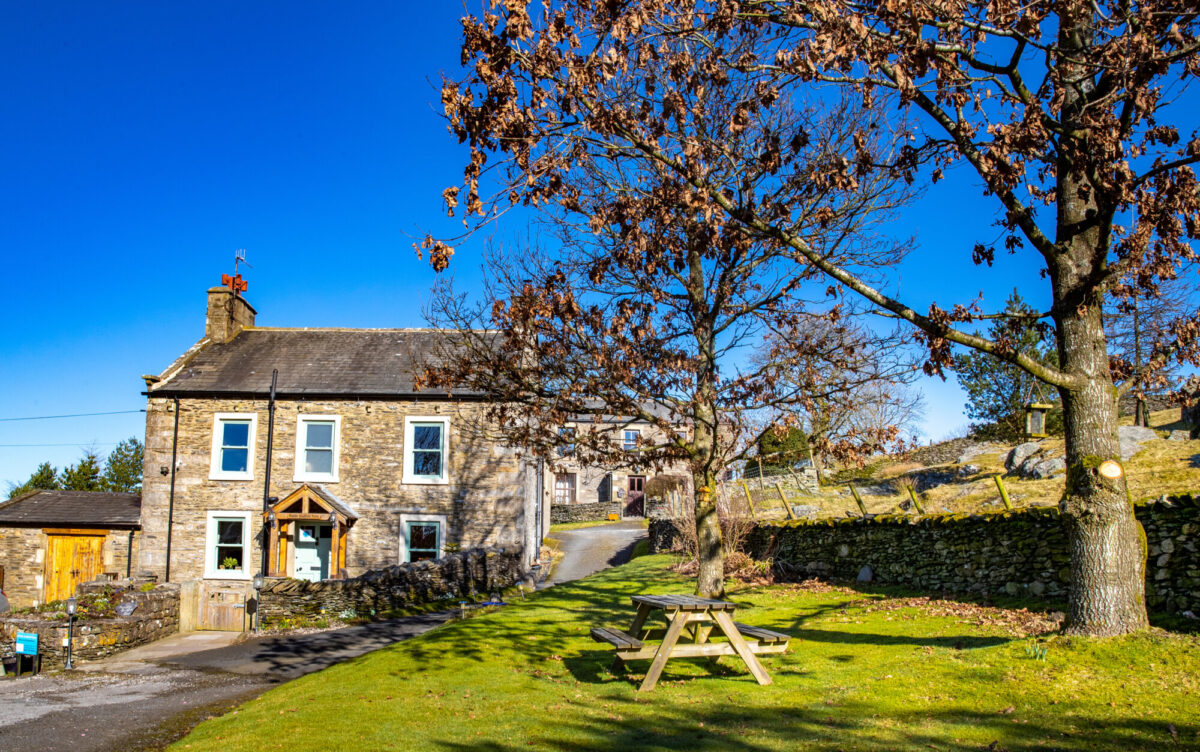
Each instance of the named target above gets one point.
<point>683,603</point>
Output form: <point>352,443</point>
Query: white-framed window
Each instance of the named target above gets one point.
<point>233,446</point>
<point>629,441</point>
<point>422,536</point>
<point>227,546</point>
<point>318,441</point>
<point>426,450</point>
<point>564,488</point>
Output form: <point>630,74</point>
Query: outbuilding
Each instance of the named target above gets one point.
<point>51,541</point>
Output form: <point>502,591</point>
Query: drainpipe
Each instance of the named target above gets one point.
<point>171,498</point>
<point>129,556</point>
<point>267,472</point>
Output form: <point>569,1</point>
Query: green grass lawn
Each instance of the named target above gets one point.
<point>865,671</point>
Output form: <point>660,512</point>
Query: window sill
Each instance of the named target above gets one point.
<point>231,476</point>
<point>224,575</point>
<point>309,478</point>
<point>418,481</point>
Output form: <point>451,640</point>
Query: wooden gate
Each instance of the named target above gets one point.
<point>72,557</point>
<point>222,607</point>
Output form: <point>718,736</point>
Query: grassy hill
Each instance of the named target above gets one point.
<point>1160,467</point>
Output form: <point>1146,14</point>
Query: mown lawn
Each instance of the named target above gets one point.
<point>866,671</point>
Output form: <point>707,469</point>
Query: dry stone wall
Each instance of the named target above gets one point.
<point>455,576</point>
<point>155,615</point>
<point>1015,553</point>
<point>561,513</point>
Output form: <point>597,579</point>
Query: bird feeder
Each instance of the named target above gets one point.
<point>1035,420</point>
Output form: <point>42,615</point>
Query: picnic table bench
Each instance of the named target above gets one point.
<point>694,617</point>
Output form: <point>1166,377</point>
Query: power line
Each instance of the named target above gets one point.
<point>81,444</point>
<point>75,415</point>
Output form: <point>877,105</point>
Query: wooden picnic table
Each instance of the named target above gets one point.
<point>694,618</point>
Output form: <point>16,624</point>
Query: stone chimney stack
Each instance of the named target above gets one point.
<point>228,314</point>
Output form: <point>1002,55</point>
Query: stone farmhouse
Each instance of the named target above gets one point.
<point>582,491</point>
<point>314,449</point>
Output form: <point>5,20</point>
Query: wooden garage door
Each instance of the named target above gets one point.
<point>72,557</point>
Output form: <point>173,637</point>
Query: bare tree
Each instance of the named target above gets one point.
<point>647,306</point>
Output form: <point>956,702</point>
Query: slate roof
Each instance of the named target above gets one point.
<point>311,362</point>
<point>77,509</point>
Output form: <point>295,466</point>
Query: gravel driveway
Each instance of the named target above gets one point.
<point>129,704</point>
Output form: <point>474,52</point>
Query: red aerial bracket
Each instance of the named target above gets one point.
<point>235,283</point>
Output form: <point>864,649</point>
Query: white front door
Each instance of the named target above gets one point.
<point>311,561</point>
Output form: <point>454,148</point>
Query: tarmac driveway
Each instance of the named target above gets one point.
<point>588,550</point>
<point>148,697</point>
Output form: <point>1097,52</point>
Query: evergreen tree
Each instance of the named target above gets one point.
<point>83,475</point>
<point>997,390</point>
<point>782,447</point>
<point>43,478</point>
<point>123,468</point>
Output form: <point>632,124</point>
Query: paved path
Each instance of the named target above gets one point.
<point>588,550</point>
<point>148,697</point>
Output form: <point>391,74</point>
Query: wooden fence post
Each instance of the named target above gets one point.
<point>750,501</point>
<point>858,500</point>
<point>912,494</point>
<point>783,500</point>
<point>1003,492</point>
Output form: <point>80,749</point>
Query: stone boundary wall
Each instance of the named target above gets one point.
<point>156,616</point>
<point>1016,553</point>
<point>454,576</point>
<point>586,512</point>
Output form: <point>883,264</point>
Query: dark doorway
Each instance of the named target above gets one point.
<point>635,496</point>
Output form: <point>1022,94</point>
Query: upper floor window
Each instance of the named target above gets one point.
<point>233,446</point>
<point>630,440</point>
<point>426,446</point>
<point>317,440</point>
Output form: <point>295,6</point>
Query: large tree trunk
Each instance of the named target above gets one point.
<point>710,577</point>
<point>1108,550</point>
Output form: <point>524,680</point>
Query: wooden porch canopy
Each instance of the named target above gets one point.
<point>306,504</point>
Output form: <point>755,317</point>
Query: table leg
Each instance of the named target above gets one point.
<point>678,621</point>
<point>725,622</point>
<point>639,620</point>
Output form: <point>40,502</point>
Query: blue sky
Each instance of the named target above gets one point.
<point>143,142</point>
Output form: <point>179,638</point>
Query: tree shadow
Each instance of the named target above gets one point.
<point>767,726</point>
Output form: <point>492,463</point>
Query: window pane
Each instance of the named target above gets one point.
<point>229,557</point>
<point>318,461</point>
<point>422,536</point>
<point>229,532</point>
<point>234,460</point>
<point>236,433</point>
<point>427,437</point>
<point>421,555</point>
<point>320,435</point>
<point>427,463</point>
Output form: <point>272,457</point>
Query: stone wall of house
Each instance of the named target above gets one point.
<point>1016,553</point>
<point>450,578</point>
<point>483,504</point>
<point>560,513</point>
<point>155,616</point>
<point>23,557</point>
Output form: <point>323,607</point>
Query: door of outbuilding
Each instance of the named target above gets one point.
<point>72,557</point>
<point>634,500</point>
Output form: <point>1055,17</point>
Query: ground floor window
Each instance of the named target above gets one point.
<point>227,545</point>
<point>564,488</point>
<point>422,536</point>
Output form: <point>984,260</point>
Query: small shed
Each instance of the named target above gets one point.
<point>51,541</point>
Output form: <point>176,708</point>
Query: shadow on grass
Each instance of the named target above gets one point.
<point>843,725</point>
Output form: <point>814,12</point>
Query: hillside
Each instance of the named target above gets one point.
<point>947,485</point>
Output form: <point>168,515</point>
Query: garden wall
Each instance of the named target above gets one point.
<point>454,576</point>
<point>587,512</point>
<point>155,615</point>
<point>1016,553</point>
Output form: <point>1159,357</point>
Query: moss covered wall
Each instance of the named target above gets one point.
<point>1016,553</point>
